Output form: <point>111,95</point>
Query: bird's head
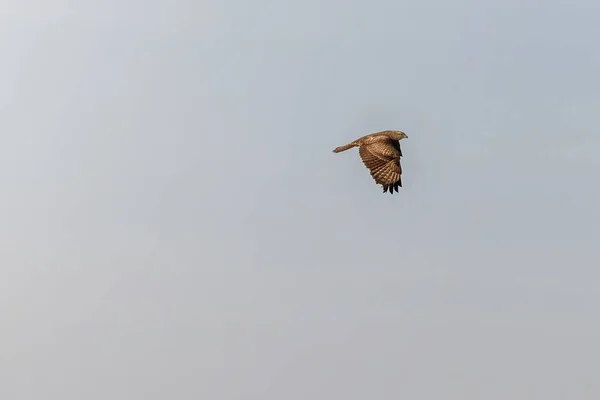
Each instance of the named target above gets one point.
<point>400,135</point>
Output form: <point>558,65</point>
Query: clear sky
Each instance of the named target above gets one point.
<point>174,224</point>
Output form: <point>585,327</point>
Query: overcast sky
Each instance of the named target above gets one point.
<point>174,224</point>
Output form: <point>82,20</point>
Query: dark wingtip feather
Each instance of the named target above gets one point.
<point>392,187</point>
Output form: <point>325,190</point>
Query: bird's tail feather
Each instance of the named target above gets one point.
<point>345,147</point>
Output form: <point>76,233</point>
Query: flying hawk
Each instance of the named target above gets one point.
<point>380,152</point>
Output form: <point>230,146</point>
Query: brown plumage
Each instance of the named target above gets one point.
<point>380,152</point>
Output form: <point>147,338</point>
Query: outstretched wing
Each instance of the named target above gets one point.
<point>382,158</point>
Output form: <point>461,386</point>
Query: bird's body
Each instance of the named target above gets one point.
<point>380,153</point>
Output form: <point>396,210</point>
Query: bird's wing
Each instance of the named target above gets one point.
<point>396,144</point>
<point>383,161</point>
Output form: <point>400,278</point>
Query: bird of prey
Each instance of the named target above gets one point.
<point>380,152</point>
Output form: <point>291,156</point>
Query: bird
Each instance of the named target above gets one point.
<point>380,153</point>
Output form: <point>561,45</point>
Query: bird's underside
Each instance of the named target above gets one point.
<point>380,153</point>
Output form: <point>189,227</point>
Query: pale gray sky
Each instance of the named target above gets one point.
<point>175,226</point>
